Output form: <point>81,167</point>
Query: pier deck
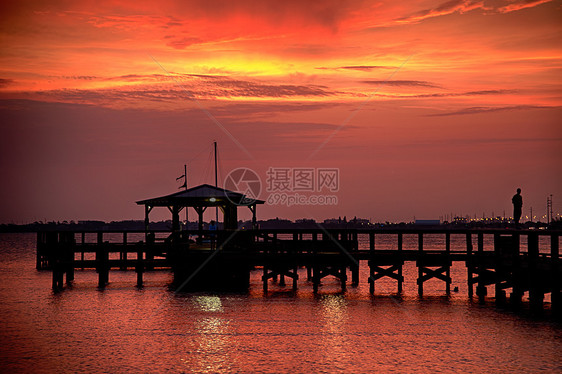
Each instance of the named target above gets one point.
<point>517,260</point>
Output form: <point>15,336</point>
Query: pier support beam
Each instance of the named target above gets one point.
<point>272,273</point>
<point>536,284</point>
<point>377,272</point>
<point>321,271</point>
<point>433,266</point>
<point>66,243</point>
<point>57,267</point>
<point>123,253</point>
<point>469,264</point>
<point>506,266</point>
<point>426,272</point>
<point>139,267</point>
<point>355,275</point>
<point>102,261</point>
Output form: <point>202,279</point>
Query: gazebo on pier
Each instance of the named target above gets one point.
<point>200,198</point>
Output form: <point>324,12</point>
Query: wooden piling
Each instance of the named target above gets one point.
<point>123,253</point>
<point>420,266</point>
<point>481,290</point>
<point>68,248</point>
<point>536,290</point>
<point>555,296</point>
<point>139,267</point>
<point>470,267</point>
<point>448,270</point>
<point>264,279</point>
<point>355,274</point>
<point>400,277</point>
<point>83,241</point>
<point>57,266</point>
<point>102,260</point>
<point>40,245</point>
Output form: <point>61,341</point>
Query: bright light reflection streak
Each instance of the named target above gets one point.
<point>209,303</point>
<point>334,311</point>
<point>214,345</point>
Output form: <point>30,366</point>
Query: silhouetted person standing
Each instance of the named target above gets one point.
<point>517,201</point>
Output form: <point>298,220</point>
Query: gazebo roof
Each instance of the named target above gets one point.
<point>202,195</point>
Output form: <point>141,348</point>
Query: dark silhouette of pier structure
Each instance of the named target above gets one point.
<point>223,259</point>
<point>278,253</point>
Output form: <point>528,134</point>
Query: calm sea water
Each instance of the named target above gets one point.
<point>124,329</point>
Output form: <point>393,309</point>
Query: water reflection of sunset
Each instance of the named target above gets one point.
<point>334,318</point>
<point>214,346</point>
<point>208,303</point>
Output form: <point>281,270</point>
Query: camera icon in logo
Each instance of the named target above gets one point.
<point>246,182</point>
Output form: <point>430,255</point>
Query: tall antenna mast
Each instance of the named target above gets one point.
<point>216,179</point>
<point>186,208</point>
<point>216,182</point>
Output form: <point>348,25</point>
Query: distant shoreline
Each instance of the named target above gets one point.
<point>138,225</point>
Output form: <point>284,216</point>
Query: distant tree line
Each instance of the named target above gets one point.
<point>274,223</point>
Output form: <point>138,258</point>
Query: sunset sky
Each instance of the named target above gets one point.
<point>427,108</point>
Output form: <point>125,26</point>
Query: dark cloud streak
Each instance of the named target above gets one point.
<point>5,82</point>
<point>401,83</point>
<point>479,110</point>
<point>356,67</point>
<point>451,94</point>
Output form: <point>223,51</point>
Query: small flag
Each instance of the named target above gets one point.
<point>184,176</point>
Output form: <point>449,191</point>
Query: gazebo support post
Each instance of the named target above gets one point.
<point>147,209</point>
<point>230,216</point>
<point>175,218</point>
<point>254,221</point>
<point>200,210</point>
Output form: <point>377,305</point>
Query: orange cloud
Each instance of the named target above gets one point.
<point>521,4</point>
<point>449,7</point>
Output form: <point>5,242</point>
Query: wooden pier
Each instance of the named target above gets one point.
<point>224,259</point>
